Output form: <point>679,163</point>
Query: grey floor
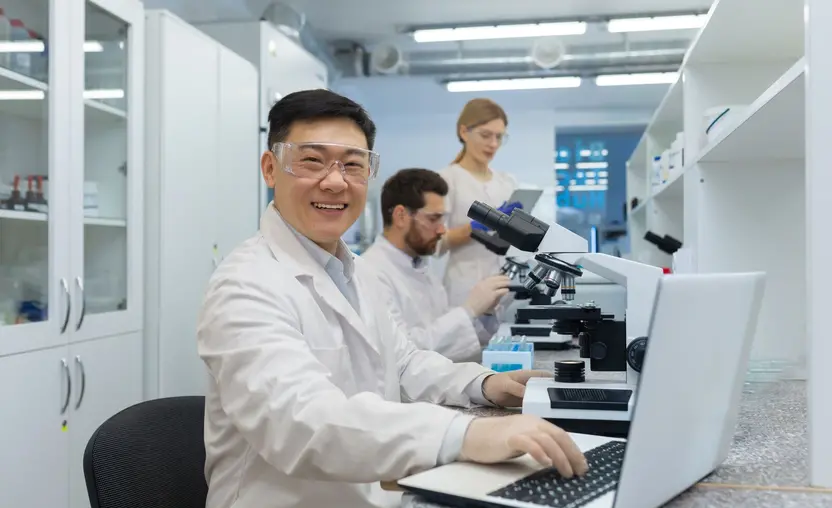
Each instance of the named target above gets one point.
<point>768,463</point>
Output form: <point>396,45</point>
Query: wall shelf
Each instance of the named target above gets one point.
<point>772,128</point>
<point>755,196</point>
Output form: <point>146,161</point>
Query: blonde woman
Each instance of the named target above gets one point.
<point>481,128</point>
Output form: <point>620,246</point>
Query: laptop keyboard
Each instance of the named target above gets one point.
<point>548,488</point>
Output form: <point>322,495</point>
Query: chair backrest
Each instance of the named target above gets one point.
<point>151,455</point>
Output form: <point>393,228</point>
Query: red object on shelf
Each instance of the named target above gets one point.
<point>666,270</point>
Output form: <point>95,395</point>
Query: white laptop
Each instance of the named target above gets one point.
<point>700,338</point>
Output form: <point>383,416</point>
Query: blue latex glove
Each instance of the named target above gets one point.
<point>476,225</point>
<point>507,208</point>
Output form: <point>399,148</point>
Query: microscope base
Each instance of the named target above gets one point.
<point>609,417</point>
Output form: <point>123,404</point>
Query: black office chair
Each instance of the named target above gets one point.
<point>150,455</point>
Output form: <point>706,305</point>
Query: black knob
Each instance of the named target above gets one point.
<point>636,352</point>
<point>598,351</point>
<point>583,343</point>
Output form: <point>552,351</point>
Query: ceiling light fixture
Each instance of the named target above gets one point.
<point>22,95</point>
<point>114,93</point>
<point>472,33</point>
<point>657,23</point>
<point>93,47</point>
<point>35,46</point>
<point>490,85</point>
<point>654,78</point>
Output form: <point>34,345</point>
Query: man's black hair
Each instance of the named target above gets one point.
<point>316,105</point>
<point>408,188</point>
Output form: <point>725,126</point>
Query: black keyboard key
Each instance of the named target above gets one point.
<point>548,488</point>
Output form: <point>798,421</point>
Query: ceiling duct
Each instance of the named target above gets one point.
<point>292,23</point>
<point>548,52</point>
<point>544,56</point>
<point>387,59</point>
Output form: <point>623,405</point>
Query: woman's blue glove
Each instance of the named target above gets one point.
<point>507,208</point>
<point>476,225</point>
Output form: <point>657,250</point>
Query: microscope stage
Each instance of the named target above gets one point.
<point>603,415</point>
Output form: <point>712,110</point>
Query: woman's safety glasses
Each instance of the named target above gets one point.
<point>486,136</point>
<point>316,160</point>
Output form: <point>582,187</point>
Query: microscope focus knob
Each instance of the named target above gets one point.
<point>635,353</point>
<point>598,351</point>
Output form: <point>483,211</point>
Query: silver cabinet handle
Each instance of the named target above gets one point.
<point>80,283</point>
<point>80,365</point>
<point>65,368</point>
<point>65,287</point>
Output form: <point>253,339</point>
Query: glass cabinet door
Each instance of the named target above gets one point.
<point>34,285</point>
<point>109,197</point>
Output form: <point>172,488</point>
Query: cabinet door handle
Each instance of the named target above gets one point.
<point>80,365</point>
<point>65,287</point>
<point>80,283</point>
<point>65,368</point>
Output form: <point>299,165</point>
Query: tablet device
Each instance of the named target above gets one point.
<point>527,197</point>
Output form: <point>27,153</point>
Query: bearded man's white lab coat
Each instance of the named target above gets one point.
<point>304,408</point>
<point>421,301</point>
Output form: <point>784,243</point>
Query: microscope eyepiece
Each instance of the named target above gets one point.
<point>488,216</point>
<point>518,229</point>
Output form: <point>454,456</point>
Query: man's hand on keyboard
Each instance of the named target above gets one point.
<point>490,440</point>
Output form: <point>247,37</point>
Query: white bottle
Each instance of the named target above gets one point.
<point>5,36</point>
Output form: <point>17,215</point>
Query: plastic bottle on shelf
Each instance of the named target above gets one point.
<point>656,173</point>
<point>21,60</point>
<point>5,36</point>
<point>39,61</point>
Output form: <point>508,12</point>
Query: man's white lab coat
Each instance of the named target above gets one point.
<point>304,405</point>
<point>421,300</point>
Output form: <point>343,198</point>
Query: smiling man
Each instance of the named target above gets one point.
<point>413,213</point>
<point>309,368</point>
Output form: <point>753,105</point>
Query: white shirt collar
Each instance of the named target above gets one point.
<point>401,257</point>
<point>341,262</point>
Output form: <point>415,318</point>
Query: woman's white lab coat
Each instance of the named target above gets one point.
<point>472,262</point>
<point>422,303</point>
<point>303,408</point>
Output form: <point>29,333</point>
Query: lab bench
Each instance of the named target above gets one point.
<point>768,462</point>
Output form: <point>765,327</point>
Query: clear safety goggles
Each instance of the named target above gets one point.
<point>485,136</point>
<point>429,220</point>
<point>316,160</point>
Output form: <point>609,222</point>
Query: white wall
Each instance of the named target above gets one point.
<point>416,120</point>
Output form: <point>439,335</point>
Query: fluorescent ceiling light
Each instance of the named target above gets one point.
<point>35,46</point>
<point>490,85</point>
<point>657,23</point>
<point>22,47</point>
<point>22,95</point>
<point>655,78</point>
<point>104,94</point>
<point>93,47</point>
<point>499,32</point>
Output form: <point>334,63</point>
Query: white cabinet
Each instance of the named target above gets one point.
<point>35,447</point>
<point>70,174</point>
<point>106,378</point>
<point>71,231</point>
<point>284,66</point>
<point>202,136</point>
<point>57,398</point>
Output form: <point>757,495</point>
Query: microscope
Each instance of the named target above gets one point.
<point>608,345</point>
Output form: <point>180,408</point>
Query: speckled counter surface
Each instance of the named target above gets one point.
<point>768,462</point>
